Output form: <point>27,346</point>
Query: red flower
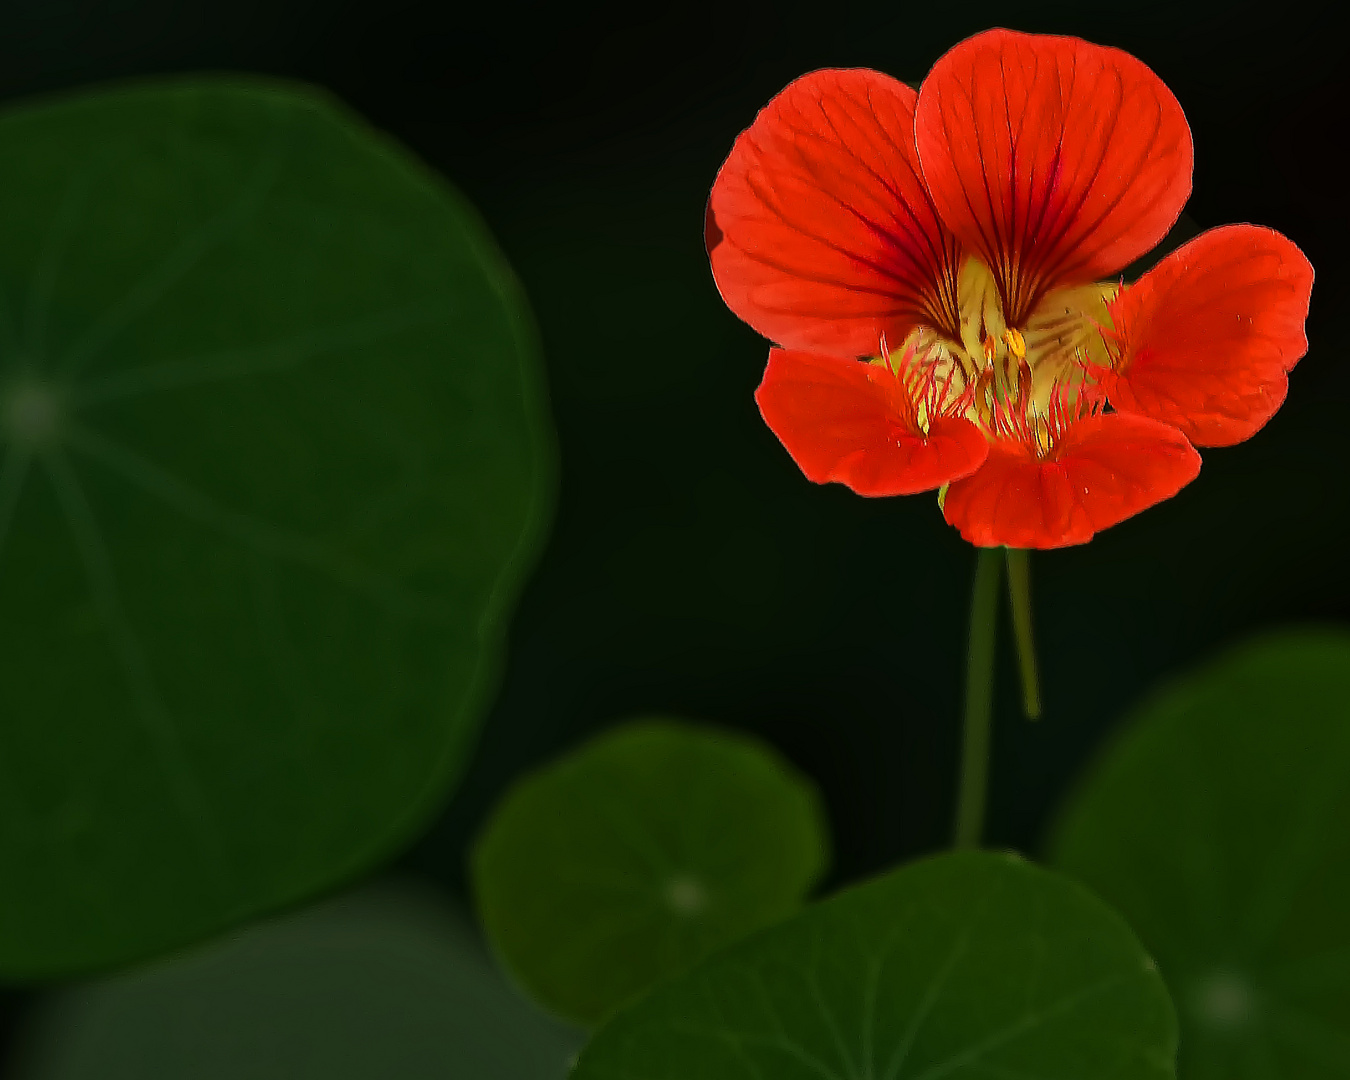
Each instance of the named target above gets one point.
<point>931,267</point>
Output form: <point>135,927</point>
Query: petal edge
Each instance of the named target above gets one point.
<point>1208,337</point>
<point>1058,161</point>
<point>841,421</point>
<point>1105,469</point>
<point>819,228</point>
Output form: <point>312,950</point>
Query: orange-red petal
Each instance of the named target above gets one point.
<point>819,228</point>
<point>1208,336</point>
<point>852,423</point>
<point>1057,161</point>
<point>1103,470</point>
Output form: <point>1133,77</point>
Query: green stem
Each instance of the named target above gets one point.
<point>1019,593</point>
<point>979,700</point>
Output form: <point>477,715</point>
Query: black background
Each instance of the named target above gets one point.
<point>692,570</point>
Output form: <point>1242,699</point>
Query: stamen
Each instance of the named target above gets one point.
<point>1041,431</point>
<point>1022,376</point>
<point>925,394</point>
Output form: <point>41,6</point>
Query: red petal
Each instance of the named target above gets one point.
<point>1057,161</point>
<point>819,228</point>
<point>847,421</point>
<point>1105,469</point>
<point>1208,336</point>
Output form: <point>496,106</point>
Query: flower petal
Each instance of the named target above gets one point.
<point>1057,161</point>
<point>1104,470</point>
<point>1208,336</point>
<point>847,421</point>
<point>819,228</point>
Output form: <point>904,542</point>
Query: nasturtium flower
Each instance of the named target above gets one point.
<point>935,269</point>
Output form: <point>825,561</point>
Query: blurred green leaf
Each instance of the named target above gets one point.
<point>1219,824</point>
<point>961,966</point>
<point>273,461</point>
<point>383,985</point>
<point>638,855</point>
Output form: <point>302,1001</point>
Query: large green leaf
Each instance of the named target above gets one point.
<point>384,985</point>
<point>1219,824</point>
<point>273,460</point>
<point>962,966</point>
<point>639,854</point>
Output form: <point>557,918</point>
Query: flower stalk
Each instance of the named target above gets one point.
<point>1019,596</point>
<point>979,714</point>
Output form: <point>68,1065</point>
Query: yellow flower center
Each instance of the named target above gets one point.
<point>996,369</point>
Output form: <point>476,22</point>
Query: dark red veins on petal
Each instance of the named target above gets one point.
<point>1057,161</point>
<point>1207,338</point>
<point>819,228</point>
<point>1103,470</point>
<point>853,423</point>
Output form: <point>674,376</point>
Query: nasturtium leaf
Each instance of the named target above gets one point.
<point>273,460</point>
<point>384,985</point>
<point>1219,825</point>
<point>637,855</point>
<point>961,967</point>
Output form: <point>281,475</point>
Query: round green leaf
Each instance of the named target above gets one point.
<point>380,986</point>
<point>961,967</point>
<point>1219,824</point>
<point>273,460</point>
<point>639,854</point>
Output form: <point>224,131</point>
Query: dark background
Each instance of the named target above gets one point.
<point>692,570</point>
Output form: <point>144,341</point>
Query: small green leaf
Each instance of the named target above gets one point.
<point>962,967</point>
<point>638,855</point>
<point>1219,824</point>
<point>273,461</point>
<point>383,985</point>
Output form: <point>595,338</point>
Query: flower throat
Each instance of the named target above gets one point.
<point>1027,383</point>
